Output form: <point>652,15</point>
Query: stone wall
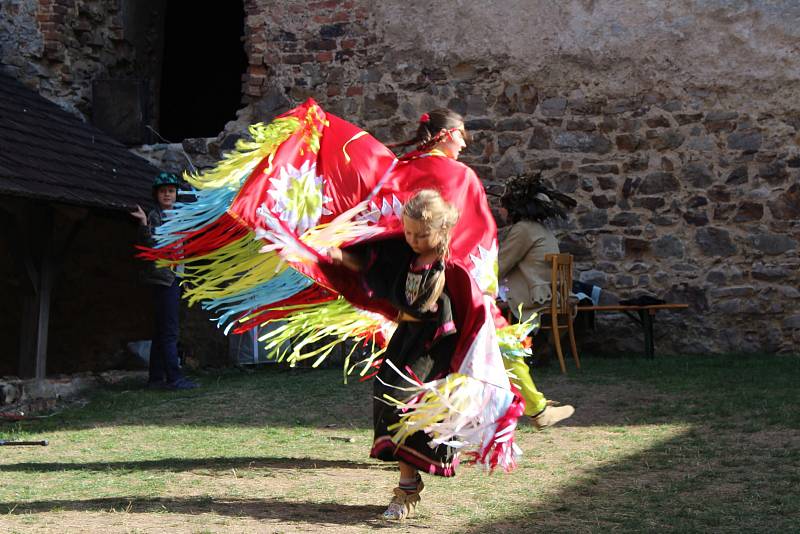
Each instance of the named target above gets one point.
<point>59,47</point>
<point>676,129</point>
<point>675,126</point>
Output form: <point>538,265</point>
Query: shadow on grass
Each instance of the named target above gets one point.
<point>697,481</point>
<point>262,509</point>
<point>308,399</point>
<point>734,465</point>
<point>189,464</point>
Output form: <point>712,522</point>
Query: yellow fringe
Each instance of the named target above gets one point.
<point>237,165</point>
<point>234,268</point>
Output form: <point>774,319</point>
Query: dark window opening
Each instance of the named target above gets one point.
<point>204,60</point>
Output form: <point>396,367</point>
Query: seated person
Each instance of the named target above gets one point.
<point>524,273</point>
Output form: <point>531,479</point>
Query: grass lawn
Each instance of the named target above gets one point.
<point>674,444</point>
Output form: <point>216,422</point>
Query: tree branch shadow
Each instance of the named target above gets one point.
<point>320,513</point>
<point>189,464</point>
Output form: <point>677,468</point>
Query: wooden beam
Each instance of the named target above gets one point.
<point>39,243</point>
<point>45,285</point>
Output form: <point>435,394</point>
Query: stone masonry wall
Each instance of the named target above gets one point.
<point>675,125</point>
<point>675,128</point>
<point>58,47</point>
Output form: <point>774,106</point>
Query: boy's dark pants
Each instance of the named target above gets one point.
<point>164,362</point>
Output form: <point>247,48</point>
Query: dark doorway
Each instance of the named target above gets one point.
<point>204,60</point>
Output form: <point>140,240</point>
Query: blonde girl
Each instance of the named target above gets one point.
<point>410,273</point>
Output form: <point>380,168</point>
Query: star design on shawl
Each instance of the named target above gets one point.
<point>484,269</point>
<point>298,196</point>
<point>375,212</point>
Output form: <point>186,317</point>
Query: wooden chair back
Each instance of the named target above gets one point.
<point>560,282</point>
<point>561,307</point>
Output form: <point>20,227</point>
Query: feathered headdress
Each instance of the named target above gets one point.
<point>527,198</point>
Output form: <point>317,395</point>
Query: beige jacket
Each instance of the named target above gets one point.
<point>523,269</point>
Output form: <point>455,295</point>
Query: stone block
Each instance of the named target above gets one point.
<point>195,145</point>
<point>507,140</point>
<point>600,168</point>
<point>509,165</point>
<point>331,31</point>
<point>793,322</point>
<point>717,116</point>
<point>657,122</point>
<point>738,176</point>
<point>380,106</point>
<point>772,244</point>
<point>553,107</point>
<point>719,193</point>
<point>607,182</point>
<point>582,125</point>
<point>697,201</point>
<point>612,247</point>
<point>593,277</point>
<point>745,140</point>
<point>769,273</point>
<point>626,219</point>
<point>545,164</point>
<point>720,121</point>
<point>628,142</point>
<point>773,173</point>
<point>732,291</point>
<point>476,105</point>
<point>667,140</point>
<point>694,296</point>
<point>687,118</point>
<point>715,241</point>
<point>515,124</point>
<point>540,139</point>
<point>748,212</point>
<point>696,218</point>
<point>603,201</point>
<point>593,219</point>
<point>786,206</point>
<point>621,105</point>
<point>701,144</point>
<point>608,124</point>
<point>715,277</point>
<point>583,106</point>
<point>659,182</point>
<point>581,142</point>
<point>576,246</point>
<point>668,246</point>
<point>479,124</point>
<point>566,182</point>
<point>636,247</point>
<point>697,174</point>
<point>624,281</point>
<point>637,267</point>
<point>636,163</point>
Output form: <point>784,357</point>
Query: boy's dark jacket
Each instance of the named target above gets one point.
<point>161,276</point>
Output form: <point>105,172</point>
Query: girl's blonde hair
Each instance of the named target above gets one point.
<point>428,207</point>
<point>439,217</point>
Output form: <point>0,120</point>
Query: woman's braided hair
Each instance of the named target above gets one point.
<point>527,198</point>
<point>432,128</point>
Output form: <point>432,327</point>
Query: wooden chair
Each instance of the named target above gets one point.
<point>561,307</point>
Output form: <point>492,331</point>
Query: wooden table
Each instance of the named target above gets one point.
<point>646,316</point>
